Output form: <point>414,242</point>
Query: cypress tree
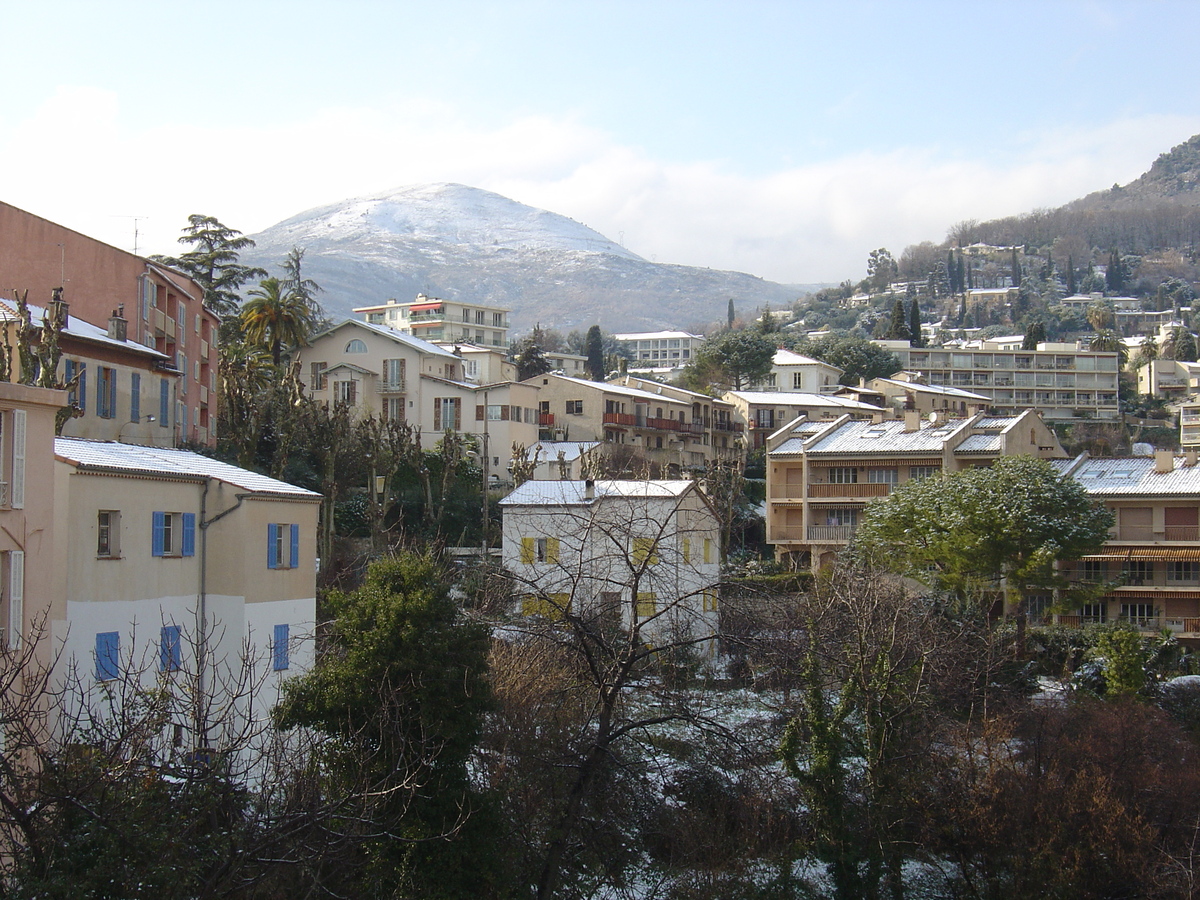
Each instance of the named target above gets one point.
<point>594,345</point>
<point>962,280</point>
<point>914,324</point>
<point>731,315</point>
<point>1070,276</point>
<point>951,273</point>
<point>898,328</point>
<point>1016,269</point>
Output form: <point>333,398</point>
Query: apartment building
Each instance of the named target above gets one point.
<point>655,424</point>
<point>1060,381</point>
<point>164,309</point>
<point>1148,572</point>
<point>434,319</point>
<point>1168,379</point>
<point>641,555</point>
<point>717,416</point>
<point>660,349</point>
<point>763,412</point>
<point>792,371</point>
<point>822,475</point>
<point>906,392</point>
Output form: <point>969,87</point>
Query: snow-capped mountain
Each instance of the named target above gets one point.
<point>459,242</point>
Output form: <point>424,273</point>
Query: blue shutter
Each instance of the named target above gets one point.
<point>112,393</point>
<point>70,373</point>
<point>294,559</point>
<point>279,648</point>
<point>135,397</point>
<point>160,527</point>
<point>164,403</point>
<point>170,650</point>
<point>189,535</point>
<point>108,646</point>
<point>83,387</point>
<point>101,394</point>
<point>272,546</point>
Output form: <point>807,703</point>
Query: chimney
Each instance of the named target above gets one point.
<point>589,490</point>
<point>912,420</point>
<point>1164,461</point>
<point>1190,458</point>
<point>117,326</point>
<point>59,308</point>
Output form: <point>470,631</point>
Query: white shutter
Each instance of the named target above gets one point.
<point>18,456</point>
<point>16,598</point>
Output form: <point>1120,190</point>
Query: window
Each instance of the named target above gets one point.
<point>466,315</point>
<point>479,316</point>
<point>170,649</point>
<point>1183,570</point>
<point>1137,571</point>
<point>1093,570</point>
<point>135,397</point>
<point>356,346</point>
<point>543,550</point>
<point>15,581</point>
<point>574,407</point>
<point>345,392</point>
<point>548,606</point>
<point>279,647</point>
<point>393,374</point>
<point>882,476</point>
<point>920,473</point>
<point>108,647</point>
<point>841,517</point>
<point>283,546</point>
<point>316,376</point>
<point>1138,613</point>
<point>497,320</point>
<point>164,402</point>
<point>15,421</point>
<point>108,533</point>
<point>843,475</point>
<point>106,392</point>
<point>392,409</point>
<point>797,381</point>
<point>645,551</point>
<point>447,414</point>
<point>647,604</point>
<point>78,394</point>
<point>174,534</point>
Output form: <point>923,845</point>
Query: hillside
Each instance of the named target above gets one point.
<point>450,240</point>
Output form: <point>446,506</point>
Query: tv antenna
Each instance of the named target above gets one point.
<point>136,219</point>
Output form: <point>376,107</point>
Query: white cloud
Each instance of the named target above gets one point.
<point>81,160</point>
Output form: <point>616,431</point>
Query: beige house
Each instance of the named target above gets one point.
<point>434,319</point>
<point>795,372</point>
<point>171,562</point>
<point>762,412</point>
<point>719,417</point>
<point>906,392</point>
<point>655,424</point>
<point>821,476</point>
<point>561,460</point>
<point>642,554</point>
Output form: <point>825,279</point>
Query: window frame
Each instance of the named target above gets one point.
<point>108,534</point>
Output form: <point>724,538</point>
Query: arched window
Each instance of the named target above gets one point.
<point>356,346</point>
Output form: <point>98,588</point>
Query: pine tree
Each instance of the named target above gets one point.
<point>1016,269</point>
<point>213,262</point>
<point>898,328</point>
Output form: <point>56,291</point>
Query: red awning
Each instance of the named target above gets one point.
<point>424,307</point>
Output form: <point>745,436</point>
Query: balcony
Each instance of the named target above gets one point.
<point>546,420</point>
<point>395,386</point>
<point>428,317</point>
<point>786,534</point>
<point>856,491</point>
<point>736,427</point>
<point>615,418</point>
<point>830,533</point>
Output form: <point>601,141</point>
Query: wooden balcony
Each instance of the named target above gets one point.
<point>612,418</point>
<point>546,420</point>
<point>849,491</point>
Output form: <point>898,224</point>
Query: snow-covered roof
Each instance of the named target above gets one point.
<point>78,328</point>
<point>1133,475</point>
<point>940,390</point>
<point>574,493</point>
<point>571,450</point>
<point>610,388</point>
<point>981,443</point>
<point>656,335</point>
<point>800,398</point>
<point>392,334</point>
<point>162,462</point>
<point>785,357</point>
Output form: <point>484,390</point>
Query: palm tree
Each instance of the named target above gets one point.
<point>1109,341</point>
<point>274,317</point>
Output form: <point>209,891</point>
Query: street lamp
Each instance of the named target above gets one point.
<point>139,420</point>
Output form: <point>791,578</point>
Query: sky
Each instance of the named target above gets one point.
<point>783,139</point>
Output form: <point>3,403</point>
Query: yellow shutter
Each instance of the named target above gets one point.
<point>552,550</point>
<point>710,601</point>
<point>687,550</point>
<point>527,550</point>
<point>707,550</point>
<point>551,607</point>
<point>647,604</point>
<point>644,551</point>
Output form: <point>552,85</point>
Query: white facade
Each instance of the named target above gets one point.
<point>639,555</point>
<point>803,374</point>
<point>660,349</point>
<point>434,319</point>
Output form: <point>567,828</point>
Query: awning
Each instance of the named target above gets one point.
<point>1181,553</point>
<point>424,307</point>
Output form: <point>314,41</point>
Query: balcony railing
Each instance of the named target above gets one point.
<point>614,418</point>
<point>782,533</point>
<point>736,427</point>
<point>395,386</point>
<point>546,420</point>
<point>849,490</point>
<point>830,532</point>
<point>5,500</point>
<point>1183,533</point>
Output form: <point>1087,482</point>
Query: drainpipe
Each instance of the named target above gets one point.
<point>201,723</point>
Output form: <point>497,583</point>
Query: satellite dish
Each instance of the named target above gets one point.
<point>933,418</point>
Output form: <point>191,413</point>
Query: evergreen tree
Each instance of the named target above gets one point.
<point>914,323</point>
<point>898,327</point>
<point>1070,276</point>
<point>952,273</point>
<point>1117,275</point>
<point>595,354</point>
<point>529,356</point>
<point>213,262</point>
<point>731,315</point>
<point>1034,335</point>
<point>1016,269</point>
<point>962,281</point>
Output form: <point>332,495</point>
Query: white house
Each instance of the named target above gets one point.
<point>639,555</point>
